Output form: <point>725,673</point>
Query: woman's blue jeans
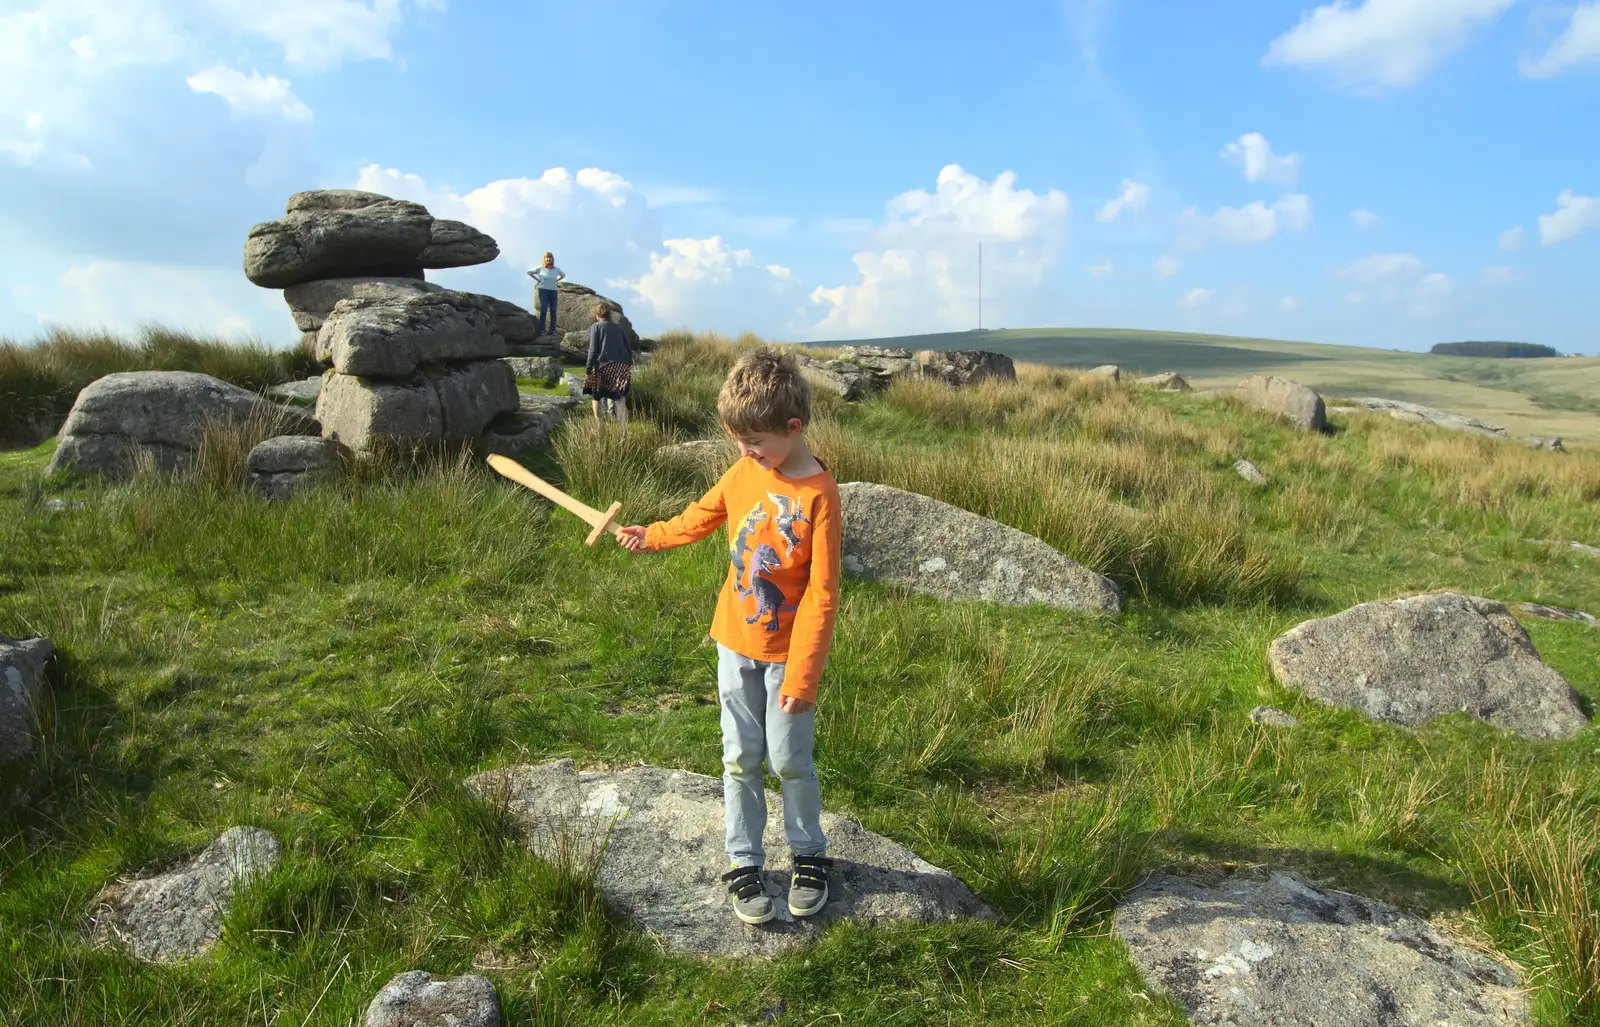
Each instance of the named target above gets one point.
<point>547,302</point>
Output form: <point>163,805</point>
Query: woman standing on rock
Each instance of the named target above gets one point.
<point>610,365</point>
<point>547,278</point>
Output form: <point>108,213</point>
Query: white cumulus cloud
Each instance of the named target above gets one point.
<point>1104,269</point>
<point>923,276</point>
<point>1365,219</point>
<point>1254,155</point>
<point>1245,226</point>
<point>1500,274</point>
<point>1573,216</point>
<point>1512,238</point>
<point>1195,298</point>
<point>1579,43</point>
<point>1381,43</point>
<point>1167,266</point>
<point>121,296</point>
<point>1289,303</point>
<point>1135,196</point>
<point>706,285</point>
<point>1399,278</point>
<point>599,228</point>
<point>251,94</point>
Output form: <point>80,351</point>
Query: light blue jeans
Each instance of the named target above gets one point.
<point>755,729</point>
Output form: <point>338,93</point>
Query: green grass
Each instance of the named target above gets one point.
<point>39,381</point>
<point>1535,397</point>
<point>331,668</point>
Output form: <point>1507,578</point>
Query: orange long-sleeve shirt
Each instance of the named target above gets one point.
<point>782,592</point>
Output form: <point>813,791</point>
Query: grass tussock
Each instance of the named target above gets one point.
<point>39,381</point>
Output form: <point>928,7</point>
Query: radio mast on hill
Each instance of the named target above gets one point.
<point>980,287</point>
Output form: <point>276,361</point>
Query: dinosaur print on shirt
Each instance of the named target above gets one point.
<point>790,512</point>
<point>769,597</point>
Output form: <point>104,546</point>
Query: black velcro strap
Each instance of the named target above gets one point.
<point>743,882</point>
<point>812,870</point>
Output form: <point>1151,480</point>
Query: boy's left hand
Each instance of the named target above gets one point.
<point>790,704</point>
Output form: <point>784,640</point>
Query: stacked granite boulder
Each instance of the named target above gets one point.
<point>411,362</point>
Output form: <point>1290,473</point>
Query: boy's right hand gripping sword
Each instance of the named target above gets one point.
<point>603,523</point>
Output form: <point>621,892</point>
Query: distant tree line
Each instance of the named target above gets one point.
<point>1493,349</point>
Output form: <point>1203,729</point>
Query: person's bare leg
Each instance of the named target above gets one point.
<point>596,411</point>
<point>622,413</point>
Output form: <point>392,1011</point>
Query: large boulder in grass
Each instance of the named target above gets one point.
<point>575,311</point>
<point>966,367</point>
<point>420,999</point>
<point>311,302</point>
<point>161,416</point>
<point>1281,952</point>
<point>22,684</point>
<point>391,337</point>
<point>1287,399</point>
<point>935,548</point>
<point>456,244</point>
<point>1411,660</point>
<point>179,915</point>
<point>383,238</point>
<point>1416,413</point>
<point>658,834</point>
<point>449,404</point>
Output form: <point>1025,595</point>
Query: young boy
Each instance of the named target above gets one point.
<point>774,621</point>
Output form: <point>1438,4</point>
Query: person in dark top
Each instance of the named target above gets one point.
<point>609,365</point>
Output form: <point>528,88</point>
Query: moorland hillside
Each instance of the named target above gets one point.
<point>335,667</point>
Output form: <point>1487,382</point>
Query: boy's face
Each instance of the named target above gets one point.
<point>770,449</point>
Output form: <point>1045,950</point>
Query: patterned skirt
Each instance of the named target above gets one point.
<point>609,382</point>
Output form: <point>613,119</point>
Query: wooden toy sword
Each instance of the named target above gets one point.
<point>603,523</point>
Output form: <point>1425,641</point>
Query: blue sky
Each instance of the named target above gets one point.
<point>1377,172</point>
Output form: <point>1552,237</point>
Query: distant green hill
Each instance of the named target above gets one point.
<point>1539,396</point>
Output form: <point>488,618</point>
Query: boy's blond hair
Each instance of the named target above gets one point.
<point>602,312</point>
<point>763,391</point>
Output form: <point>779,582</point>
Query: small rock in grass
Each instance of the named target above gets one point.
<point>64,506</point>
<point>1556,613</point>
<point>1271,716</point>
<point>280,466</point>
<point>1553,444</point>
<point>22,683</point>
<point>1111,371</point>
<point>420,999</point>
<point>178,915</point>
<point>1576,547</point>
<point>539,369</point>
<point>1166,381</point>
<point>1250,472</point>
